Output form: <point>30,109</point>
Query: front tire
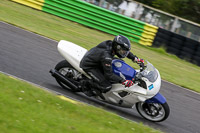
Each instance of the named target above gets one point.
<point>67,70</point>
<point>155,112</point>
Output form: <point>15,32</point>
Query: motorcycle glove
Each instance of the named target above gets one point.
<point>128,83</point>
<point>140,60</point>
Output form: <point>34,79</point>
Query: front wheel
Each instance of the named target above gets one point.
<point>155,112</point>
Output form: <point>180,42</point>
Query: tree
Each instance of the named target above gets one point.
<point>188,9</point>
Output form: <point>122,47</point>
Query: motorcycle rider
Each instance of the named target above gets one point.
<point>97,63</point>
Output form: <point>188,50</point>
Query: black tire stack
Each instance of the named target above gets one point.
<point>176,44</point>
<point>183,47</point>
<point>163,38</point>
<point>196,51</point>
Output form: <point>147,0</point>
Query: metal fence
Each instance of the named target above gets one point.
<point>152,16</point>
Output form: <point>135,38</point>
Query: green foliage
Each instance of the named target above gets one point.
<point>188,9</point>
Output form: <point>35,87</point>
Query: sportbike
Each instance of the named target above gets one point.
<point>144,94</point>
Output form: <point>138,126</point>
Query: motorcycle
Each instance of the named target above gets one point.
<point>144,94</point>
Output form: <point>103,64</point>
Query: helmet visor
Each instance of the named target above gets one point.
<point>123,52</point>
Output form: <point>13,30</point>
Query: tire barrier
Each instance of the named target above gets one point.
<point>96,17</point>
<point>183,47</point>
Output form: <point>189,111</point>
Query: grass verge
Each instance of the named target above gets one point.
<point>28,109</point>
<point>171,68</point>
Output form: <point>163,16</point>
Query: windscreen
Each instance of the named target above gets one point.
<point>150,72</point>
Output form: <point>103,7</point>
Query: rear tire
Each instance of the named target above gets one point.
<point>154,112</point>
<point>67,70</point>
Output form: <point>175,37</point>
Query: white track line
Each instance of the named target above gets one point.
<point>29,31</point>
<point>42,87</point>
<point>181,87</point>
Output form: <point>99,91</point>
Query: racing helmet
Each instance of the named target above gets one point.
<point>121,46</point>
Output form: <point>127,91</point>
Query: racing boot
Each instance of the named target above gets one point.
<point>97,89</point>
<point>85,87</point>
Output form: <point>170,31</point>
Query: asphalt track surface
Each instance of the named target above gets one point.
<point>30,57</point>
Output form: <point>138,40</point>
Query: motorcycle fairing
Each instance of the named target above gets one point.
<point>121,69</point>
<point>158,98</point>
<point>72,53</point>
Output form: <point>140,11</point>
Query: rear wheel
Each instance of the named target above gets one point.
<point>155,112</point>
<point>68,71</point>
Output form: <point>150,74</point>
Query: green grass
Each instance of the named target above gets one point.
<point>171,68</point>
<point>29,109</point>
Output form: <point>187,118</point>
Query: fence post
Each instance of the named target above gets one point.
<point>101,3</point>
<point>174,25</point>
<point>189,34</point>
<point>137,13</point>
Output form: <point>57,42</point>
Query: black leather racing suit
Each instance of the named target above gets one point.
<point>97,62</point>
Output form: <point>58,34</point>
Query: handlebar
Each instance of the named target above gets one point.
<point>142,66</point>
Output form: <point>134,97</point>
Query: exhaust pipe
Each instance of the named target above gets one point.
<point>64,80</point>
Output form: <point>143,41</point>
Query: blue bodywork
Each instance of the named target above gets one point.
<point>120,66</point>
<point>158,98</point>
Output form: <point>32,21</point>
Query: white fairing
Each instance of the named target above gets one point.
<point>135,94</point>
<point>72,53</point>
<point>156,86</point>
